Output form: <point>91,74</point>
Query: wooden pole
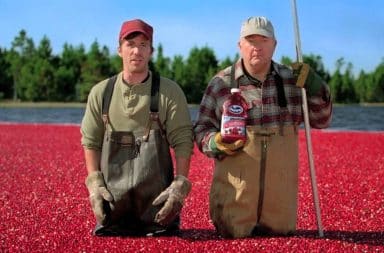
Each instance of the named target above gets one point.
<point>307,126</point>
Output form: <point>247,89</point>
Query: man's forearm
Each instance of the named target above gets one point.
<point>92,159</point>
<point>182,166</point>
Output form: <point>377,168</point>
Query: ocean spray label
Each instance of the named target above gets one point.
<point>235,109</point>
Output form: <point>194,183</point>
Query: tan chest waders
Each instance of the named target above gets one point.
<point>256,189</point>
<point>257,186</point>
<point>137,167</point>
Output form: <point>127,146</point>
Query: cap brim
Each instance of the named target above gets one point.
<point>261,32</point>
<point>136,30</point>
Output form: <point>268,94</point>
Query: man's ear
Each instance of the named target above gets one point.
<point>119,50</point>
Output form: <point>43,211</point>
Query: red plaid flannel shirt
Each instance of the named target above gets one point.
<point>262,99</point>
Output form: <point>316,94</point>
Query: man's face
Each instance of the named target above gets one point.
<point>257,50</point>
<point>136,52</point>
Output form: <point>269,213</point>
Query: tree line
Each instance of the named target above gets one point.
<point>30,72</point>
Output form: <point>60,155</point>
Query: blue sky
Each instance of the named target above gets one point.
<point>352,29</point>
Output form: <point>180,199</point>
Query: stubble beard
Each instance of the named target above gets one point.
<point>137,69</point>
<point>258,63</point>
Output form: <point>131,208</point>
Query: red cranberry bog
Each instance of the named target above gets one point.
<point>44,203</point>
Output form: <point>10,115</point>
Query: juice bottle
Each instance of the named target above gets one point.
<point>233,120</point>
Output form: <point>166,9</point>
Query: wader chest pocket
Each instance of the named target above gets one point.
<point>123,143</point>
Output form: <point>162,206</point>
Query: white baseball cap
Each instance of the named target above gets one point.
<point>257,25</point>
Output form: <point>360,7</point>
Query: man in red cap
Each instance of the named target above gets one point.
<point>129,124</point>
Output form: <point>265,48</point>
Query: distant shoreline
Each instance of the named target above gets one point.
<point>12,104</point>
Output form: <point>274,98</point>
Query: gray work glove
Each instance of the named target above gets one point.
<point>98,194</point>
<point>307,78</point>
<point>173,199</point>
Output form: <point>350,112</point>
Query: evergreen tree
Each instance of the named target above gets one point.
<point>22,52</point>
<point>377,84</point>
<point>226,63</point>
<point>316,63</point>
<point>178,71</point>
<point>44,70</point>
<point>95,69</point>
<point>116,64</point>
<point>286,60</point>
<point>347,91</point>
<point>336,81</point>
<point>68,74</point>
<point>201,66</point>
<point>361,87</point>
<point>36,82</point>
<point>162,63</point>
<point>5,76</point>
<point>35,74</point>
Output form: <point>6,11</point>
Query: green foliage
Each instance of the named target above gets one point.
<point>286,60</point>
<point>343,86</point>
<point>162,63</point>
<point>178,71</point>
<point>316,63</point>
<point>116,64</point>
<point>68,74</point>
<point>378,83</point>
<point>227,62</point>
<point>335,85</point>
<point>192,74</point>
<point>201,66</point>
<point>95,68</point>
<point>6,87</point>
<point>30,73</point>
<point>21,53</point>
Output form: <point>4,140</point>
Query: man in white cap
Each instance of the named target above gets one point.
<point>254,187</point>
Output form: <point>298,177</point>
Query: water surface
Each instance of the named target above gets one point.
<point>347,117</point>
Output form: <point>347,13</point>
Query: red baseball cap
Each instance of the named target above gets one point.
<point>136,25</point>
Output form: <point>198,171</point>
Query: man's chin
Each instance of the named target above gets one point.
<point>257,60</point>
<point>138,69</point>
<point>257,63</point>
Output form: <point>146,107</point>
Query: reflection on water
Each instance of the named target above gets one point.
<point>349,117</point>
<point>42,115</point>
<point>355,117</point>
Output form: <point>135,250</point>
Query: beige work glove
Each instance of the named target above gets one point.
<point>219,147</point>
<point>98,194</point>
<point>173,199</point>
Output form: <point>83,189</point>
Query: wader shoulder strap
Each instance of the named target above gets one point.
<point>282,101</point>
<point>107,96</point>
<point>155,92</point>
<point>234,84</point>
<point>154,107</point>
<point>280,91</point>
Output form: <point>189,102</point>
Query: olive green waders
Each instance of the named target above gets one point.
<point>137,167</point>
<point>257,187</point>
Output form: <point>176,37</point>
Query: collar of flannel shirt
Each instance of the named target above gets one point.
<point>244,78</point>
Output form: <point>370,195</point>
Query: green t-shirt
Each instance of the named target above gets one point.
<point>129,111</point>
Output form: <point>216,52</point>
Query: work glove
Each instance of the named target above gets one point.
<point>307,78</point>
<point>173,199</point>
<point>219,147</point>
<point>98,194</point>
